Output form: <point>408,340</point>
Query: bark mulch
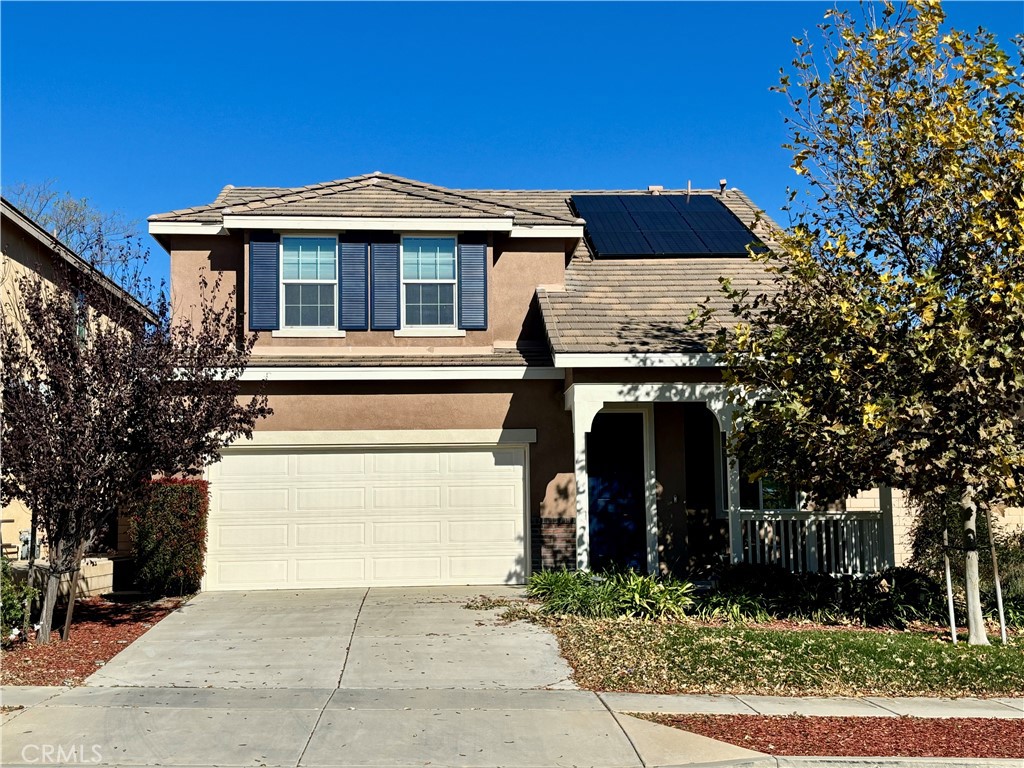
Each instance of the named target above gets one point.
<point>100,630</point>
<point>859,736</point>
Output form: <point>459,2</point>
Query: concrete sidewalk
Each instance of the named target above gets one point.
<point>868,706</point>
<point>467,728</point>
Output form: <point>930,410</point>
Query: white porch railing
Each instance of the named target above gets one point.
<point>837,543</point>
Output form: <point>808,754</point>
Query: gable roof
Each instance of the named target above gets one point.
<point>370,195</point>
<point>70,257</point>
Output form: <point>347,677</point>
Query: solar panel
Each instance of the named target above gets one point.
<point>678,243</point>
<point>660,222</point>
<point>662,225</point>
<point>647,204</point>
<point>614,220</point>
<point>727,242</point>
<point>596,204</point>
<point>620,243</point>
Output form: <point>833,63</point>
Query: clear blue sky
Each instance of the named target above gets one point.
<point>148,107</point>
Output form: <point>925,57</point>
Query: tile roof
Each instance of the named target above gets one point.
<point>381,195</point>
<point>452,357</point>
<point>370,195</point>
<point>639,305</point>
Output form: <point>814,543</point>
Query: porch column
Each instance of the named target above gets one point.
<point>887,532</point>
<point>724,412</point>
<point>583,412</point>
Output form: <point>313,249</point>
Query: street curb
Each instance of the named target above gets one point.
<point>857,762</point>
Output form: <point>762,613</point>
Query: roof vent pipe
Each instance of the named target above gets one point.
<point>721,185</point>
<point>688,185</point>
<point>656,189</point>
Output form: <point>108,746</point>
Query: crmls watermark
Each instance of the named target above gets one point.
<point>71,754</point>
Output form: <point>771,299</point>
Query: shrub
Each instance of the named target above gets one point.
<point>647,597</point>
<point>892,598</point>
<point>13,595</point>
<point>734,607</point>
<point>168,532</point>
<point>601,596</point>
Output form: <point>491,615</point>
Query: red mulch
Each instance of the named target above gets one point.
<point>100,630</point>
<point>860,736</point>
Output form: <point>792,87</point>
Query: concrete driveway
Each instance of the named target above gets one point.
<point>380,677</point>
<point>331,638</point>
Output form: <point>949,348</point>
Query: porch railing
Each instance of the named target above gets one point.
<point>836,543</point>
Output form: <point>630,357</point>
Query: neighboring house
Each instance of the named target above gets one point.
<point>472,384</point>
<point>28,250</point>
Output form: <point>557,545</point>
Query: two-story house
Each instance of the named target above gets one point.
<point>472,384</point>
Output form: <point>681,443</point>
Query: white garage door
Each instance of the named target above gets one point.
<point>358,518</point>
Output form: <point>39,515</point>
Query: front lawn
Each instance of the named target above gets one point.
<point>687,657</point>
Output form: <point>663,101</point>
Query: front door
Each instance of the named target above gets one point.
<point>618,515</point>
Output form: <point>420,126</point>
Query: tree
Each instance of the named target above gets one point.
<point>888,349</point>
<point>101,393</point>
<point>107,240</point>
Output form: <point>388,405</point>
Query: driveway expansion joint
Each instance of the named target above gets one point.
<point>352,636</point>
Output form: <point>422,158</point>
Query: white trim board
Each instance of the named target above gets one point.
<point>400,373</point>
<point>637,360</point>
<point>395,224</point>
<point>185,228</point>
<point>371,438</point>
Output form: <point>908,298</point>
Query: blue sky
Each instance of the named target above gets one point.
<point>148,107</point>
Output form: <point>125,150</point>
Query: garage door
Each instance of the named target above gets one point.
<point>357,518</point>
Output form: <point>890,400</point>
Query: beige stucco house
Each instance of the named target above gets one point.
<point>28,250</point>
<point>472,384</point>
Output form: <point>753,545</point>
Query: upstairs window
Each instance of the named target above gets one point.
<point>428,282</point>
<point>309,275</point>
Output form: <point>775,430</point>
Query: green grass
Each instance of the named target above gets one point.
<point>653,657</point>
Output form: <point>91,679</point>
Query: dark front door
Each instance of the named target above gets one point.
<point>618,519</point>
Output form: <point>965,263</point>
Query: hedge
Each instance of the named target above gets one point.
<point>168,533</point>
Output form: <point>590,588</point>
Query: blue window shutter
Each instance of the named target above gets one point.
<point>353,279</point>
<point>385,285</point>
<point>473,286</point>
<point>264,282</point>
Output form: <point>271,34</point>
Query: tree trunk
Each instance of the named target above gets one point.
<point>975,619</point>
<point>76,568</point>
<point>49,605</point>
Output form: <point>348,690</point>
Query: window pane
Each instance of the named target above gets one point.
<point>309,305</point>
<point>777,495</point>
<point>446,294</point>
<point>290,259</point>
<point>429,294</point>
<point>748,491</point>
<point>412,294</point>
<point>428,258</point>
<point>430,314</point>
<point>447,315</point>
<point>412,315</point>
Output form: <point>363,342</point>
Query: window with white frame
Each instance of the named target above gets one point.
<point>428,282</point>
<point>309,277</point>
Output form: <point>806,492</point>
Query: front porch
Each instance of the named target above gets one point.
<point>655,491</point>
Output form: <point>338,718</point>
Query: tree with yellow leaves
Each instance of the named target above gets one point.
<point>890,350</point>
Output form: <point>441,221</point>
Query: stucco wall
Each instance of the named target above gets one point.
<point>516,268</point>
